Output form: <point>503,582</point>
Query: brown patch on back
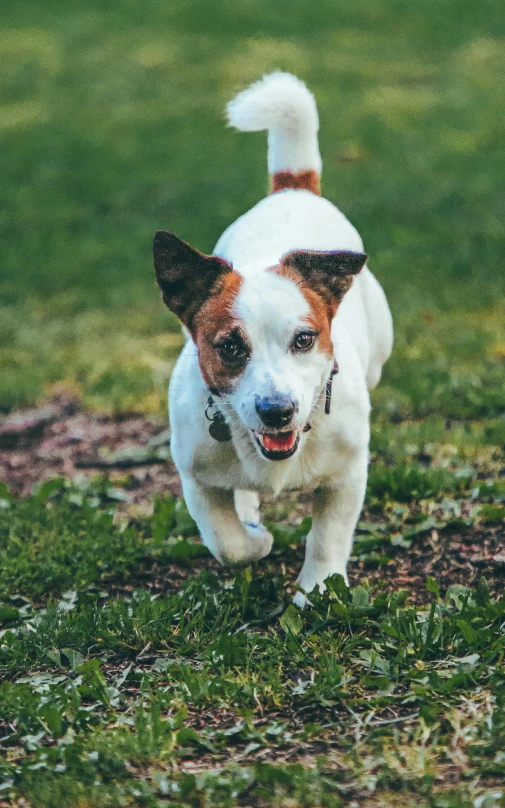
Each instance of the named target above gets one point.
<point>302,181</point>
<point>215,320</point>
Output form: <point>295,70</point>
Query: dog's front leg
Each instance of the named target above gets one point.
<point>227,538</point>
<point>335,513</point>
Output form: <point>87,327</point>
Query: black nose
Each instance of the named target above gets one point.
<point>275,410</point>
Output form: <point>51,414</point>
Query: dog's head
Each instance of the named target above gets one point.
<point>263,337</point>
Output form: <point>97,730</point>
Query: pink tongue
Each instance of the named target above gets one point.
<point>279,443</point>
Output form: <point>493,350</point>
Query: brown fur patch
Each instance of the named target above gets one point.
<point>200,290</point>
<point>215,320</point>
<point>320,318</point>
<point>302,181</point>
<point>186,277</point>
<point>323,278</point>
<point>329,273</point>
<point>321,313</point>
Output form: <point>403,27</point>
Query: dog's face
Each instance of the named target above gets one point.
<point>263,337</point>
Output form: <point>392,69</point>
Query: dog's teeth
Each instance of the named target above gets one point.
<point>282,442</point>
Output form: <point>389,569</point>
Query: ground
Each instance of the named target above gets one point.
<point>136,671</point>
<point>133,669</point>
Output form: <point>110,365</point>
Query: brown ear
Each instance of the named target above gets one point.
<point>328,273</point>
<point>185,276</point>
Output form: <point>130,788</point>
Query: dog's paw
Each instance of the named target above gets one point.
<point>301,600</point>
<point>256,530</point>
<point>257,544</point>
<point>262,539</point>
<point>311,577</point>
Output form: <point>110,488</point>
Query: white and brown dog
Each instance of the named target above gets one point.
<point>268,317</point>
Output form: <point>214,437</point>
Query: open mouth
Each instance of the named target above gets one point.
<point>277,445</point>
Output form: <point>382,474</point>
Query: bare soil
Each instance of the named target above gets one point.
<point>60,438</point>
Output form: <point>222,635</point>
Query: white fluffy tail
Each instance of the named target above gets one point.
<point>282,104</point>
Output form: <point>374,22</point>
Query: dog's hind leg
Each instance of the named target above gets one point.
<point>231,541</point>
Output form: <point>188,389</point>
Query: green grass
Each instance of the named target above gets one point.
<point>216,690</point>
<point>111,123</point>
<point>133,671</point>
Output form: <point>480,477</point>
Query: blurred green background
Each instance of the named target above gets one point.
<point>112,125</point>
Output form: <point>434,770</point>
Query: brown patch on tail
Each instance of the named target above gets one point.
<point>302,181</point>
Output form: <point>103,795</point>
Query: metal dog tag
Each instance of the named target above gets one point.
<point>219,429</point>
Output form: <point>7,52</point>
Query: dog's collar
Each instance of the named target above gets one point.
<point>329,385</point>
<point>219,429</point>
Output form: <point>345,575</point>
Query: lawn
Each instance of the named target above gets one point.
<point>134,671</point>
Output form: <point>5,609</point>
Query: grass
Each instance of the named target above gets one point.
<point>133,670</point>
<point>112,126</point>
<point>213,689</point>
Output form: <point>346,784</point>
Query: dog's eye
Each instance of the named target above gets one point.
<point>303,341</point>
<point>233,350</point>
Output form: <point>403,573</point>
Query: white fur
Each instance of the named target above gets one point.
<point>221,481</point>
<point>282,104</point>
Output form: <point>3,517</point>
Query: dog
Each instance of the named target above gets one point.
<point>287,331</point>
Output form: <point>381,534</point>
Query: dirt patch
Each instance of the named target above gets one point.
<point>451,557</point>
<point>63,439</point>
<point>458,559</point>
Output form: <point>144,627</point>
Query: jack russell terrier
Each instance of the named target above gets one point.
<point>287,332</point>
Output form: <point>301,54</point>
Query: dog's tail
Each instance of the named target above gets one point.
<point>282,104</point>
